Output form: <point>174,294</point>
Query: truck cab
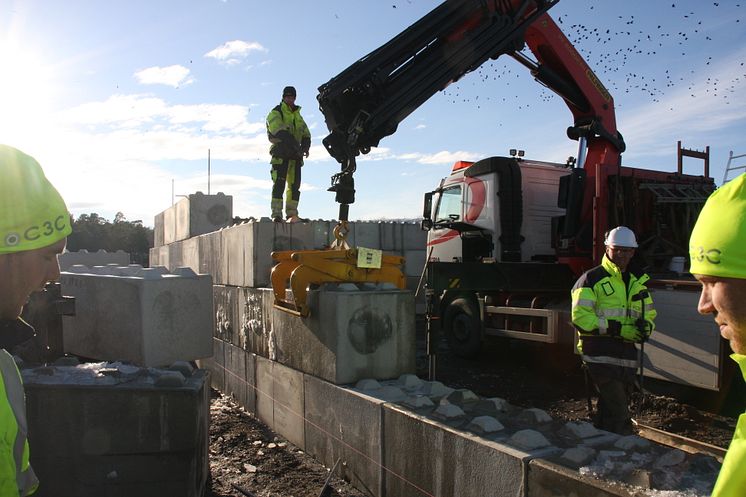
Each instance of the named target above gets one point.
<point>500,207</point>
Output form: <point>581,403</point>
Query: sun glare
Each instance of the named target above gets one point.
<point>26,87</point>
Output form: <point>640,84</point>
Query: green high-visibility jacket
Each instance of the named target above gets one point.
<point>17,479</point>
<point>731,481</point>
<point>288,134</point>
<point>601,295</point>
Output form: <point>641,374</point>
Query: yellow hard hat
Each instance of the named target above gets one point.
<point>32,212</point>
<point>717,246</point>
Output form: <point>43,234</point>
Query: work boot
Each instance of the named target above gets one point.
<point>278,219</point>
<point>296,219</point>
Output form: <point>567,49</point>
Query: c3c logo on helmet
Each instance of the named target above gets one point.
<point>700,255</point>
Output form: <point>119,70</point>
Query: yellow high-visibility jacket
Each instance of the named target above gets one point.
<point>288,134</point>
<point>731,481</point>
<point>17,479</point>
<point>599,296</point>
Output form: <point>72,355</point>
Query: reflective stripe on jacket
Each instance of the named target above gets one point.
<point>731,481</point>
<point>600,296</point>
<point>283,118</point>
<point>16,476</point>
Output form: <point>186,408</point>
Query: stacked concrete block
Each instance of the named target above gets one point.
<point>192,216</point>
<point>112,429</point>
<point>98,258</point>
<point>353,332</point>
<point>143,315</point>
<point>240,255</point>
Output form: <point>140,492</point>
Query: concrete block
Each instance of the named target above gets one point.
<point>226,308</point>
<point>175,255</point>
<point>190,254</point>
<point>237,364</point>
<point>414,262</point>
<point>529,440</point>
<point>141,316</point>
<point>169,225</point>
<point>158,256</point>
<point>233,261</point>
<point>352,434</point>
<point>265,391</point>
<point>413,237</point>
<point>390,236</point>
<point>367,234</point>
<point>210,256</point>
<point>349,335</point>
<point>255,314</point>
<point>547,479</point>
<point>98,258</point>
<point>323,233</point>
<point>194,215</point>
<point>215,365</point>
<point>158,227</point>
<point>288,406</point>
<point>104,429</point>
<point>421,456</point>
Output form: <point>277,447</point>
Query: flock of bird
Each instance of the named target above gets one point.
<point>668,47</point>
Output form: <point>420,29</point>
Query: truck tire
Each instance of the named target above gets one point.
<point>463,328</point>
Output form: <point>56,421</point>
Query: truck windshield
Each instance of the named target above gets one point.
<point>449,205</point>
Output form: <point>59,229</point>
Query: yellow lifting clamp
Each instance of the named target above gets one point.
<point>338,264</point>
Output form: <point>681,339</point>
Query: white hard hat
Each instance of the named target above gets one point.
<point>621,236</point>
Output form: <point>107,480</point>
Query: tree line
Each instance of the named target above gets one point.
<point>93,232</point>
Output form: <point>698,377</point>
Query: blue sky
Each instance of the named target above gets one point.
<point>121,99</point>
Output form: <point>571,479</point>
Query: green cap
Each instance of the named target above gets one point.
<point>717,246</point>
<point>32,212</point>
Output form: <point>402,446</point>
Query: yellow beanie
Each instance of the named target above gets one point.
<point>32,212</point>
<point>717,246</point>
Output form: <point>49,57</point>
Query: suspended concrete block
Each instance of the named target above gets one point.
<point>142,315</point>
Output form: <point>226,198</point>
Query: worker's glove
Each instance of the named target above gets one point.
<point>614,328</point>
<point>631,333</point>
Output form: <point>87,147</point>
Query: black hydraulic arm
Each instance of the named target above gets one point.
<point>367,101</point>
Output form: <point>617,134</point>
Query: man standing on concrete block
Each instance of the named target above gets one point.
<point>717,249</point>
<point>34,225</point>
<point>612,310</point>
<point>291,141</point>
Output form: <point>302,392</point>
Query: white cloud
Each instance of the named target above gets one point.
<point>232,52</point>
<point>153,114</point>
<point>174,76</point>
<point>445,157</point>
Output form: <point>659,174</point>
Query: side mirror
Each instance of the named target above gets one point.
<point>427,207</point>
<point>426,224</point>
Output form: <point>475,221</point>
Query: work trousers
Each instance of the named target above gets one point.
<point>614,384</point>
<point>287,173</point>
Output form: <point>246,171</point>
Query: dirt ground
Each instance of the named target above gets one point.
<point>246,454</point>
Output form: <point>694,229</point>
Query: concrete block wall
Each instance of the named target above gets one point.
<point>240,255</point>
<point>113,429</point>
<point>98,258</point>
<point>143,315</point>
<point>191,216</point>
<point>418,438</point>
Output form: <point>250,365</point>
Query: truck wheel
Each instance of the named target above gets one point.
<point>463,328</point>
